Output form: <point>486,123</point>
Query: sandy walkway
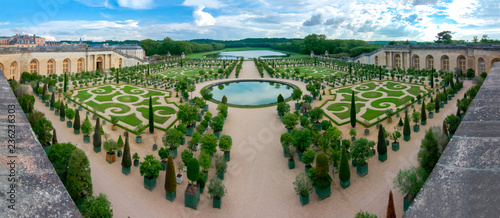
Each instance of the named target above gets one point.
<point>258,181</point>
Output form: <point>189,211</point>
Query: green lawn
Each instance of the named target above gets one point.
<point>348,98</point>
<point>117,108</point>
<point>145,102</point>
<point>153,93</point>
<point>392,93</point>
<point>372,114</point>
<point>340,107</point>
<point>103,98</point>
<point>83,95</point>
<point>398,102</point>
<point>164,110</point>
<point>103,90</point>
<point>371,94</point>
<point>130,119</point>
<point>128,98</point>
<point>132,90</point>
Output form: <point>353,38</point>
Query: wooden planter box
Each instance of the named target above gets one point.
<point>173,153</point>
<point>291,164</point>
<point>110,157</point>
<point>113,127</point>
<point>171,196</point>
<point>362,170</point>
<point>217,203</point>
<point>323,192</point>
<point>97,149</point>
<point>395,146</point>
<point>138,139</point>
<point>149,184</point>
<point>227,155</point>
<point>69,124</point>
<point>136,163</point>
<point>345,184</point>
<point>407,137</point>
<point>382,157</point>
<point>86,139</point>
<point>406,203</point>
<point>125,171</point>
<point>220,176</point>
<point>191,196</point>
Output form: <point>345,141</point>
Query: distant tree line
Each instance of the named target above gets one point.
<point>167,45</point>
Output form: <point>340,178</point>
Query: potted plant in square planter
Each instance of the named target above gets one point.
<point>352,133</point>
<point>360,152</point>
<point>290,121</point>
<point>220,166</point>
<point>114,121</point>
<point>286,141</point>
<point>416,119</point>
<point>139,130</point>
<point>410,182</point>
<point>171,139</point>
<point>217,190</point>
<point>344,172</point>
<point>163,153</point>
<point>205,163</point>
<point>395,136</point>
<point>209,144</point>
<point>303,187</point>
<point>70,114</point>
<point>192,194</point>
<point>110,146</point>
<point>217,123</point>
<point>86,130</point>
<point>316,114</point>
<point>120,145</point>
<point>170,180</point>
<point>225,144</point>
<point>291,161</point>
<point>308,158</point>
<point>126,160</point>
<point>136,159</point>
<point>150,169</point>
<point>180,167</point>
<point>322,181</point>
<point>430,108</point>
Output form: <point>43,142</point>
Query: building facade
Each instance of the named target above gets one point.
<point>479,57</point>
<point>59,60</point>
<point>132,50</point>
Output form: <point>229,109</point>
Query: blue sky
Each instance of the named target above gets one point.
<point>99,20</point>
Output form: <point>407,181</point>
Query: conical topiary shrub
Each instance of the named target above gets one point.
<point>170,182</point>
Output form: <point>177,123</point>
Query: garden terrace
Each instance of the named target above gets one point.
<point>373,99</point>
<point>129,104</point>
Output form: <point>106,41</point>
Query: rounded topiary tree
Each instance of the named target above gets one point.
<point>308,158</point>
<point>209,143</point>
<point>225,144</point>
<point>280,98</point>
<point>193,170</point>
<point>97,207</point>
<point>79,180</point>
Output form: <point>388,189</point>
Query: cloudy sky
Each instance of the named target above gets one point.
<point>99,20</point>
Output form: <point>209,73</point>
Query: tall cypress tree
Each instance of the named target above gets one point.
<point>437,102</point>
<point>391,212</point>
<point>54,137</point>
<point>170,182</point>
<point>432,78</point>
<point>127,159</point>
<point>117,79</point>
<point>381,147</point>
<point>423,118</point>
<point>344,171</point>
<point>353,111</point>
<point>406,128</point>
<point>65,82</point>
<point>151,117</point>
<point>97,133</point>
<point>76,123</point>
<point>52,100</point>
<point>62,111</point>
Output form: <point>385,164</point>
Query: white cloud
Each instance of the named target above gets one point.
<point>136,4</point>
<point>96,3</point>
<point>203,3</point>
<point>203,18</point>
<point>4,23</point>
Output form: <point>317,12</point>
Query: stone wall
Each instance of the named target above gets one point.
<point>465,181</point>
<point>28,182</point>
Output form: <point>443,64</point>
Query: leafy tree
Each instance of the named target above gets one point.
<point>303,185</point>
<point>361,150</point>
<point>381,147</point>
<point>79,181</point>
<point>410,181</point>
<point>42,130</point>
<point>452,122</point>
<point>429,154</point>
<point>301,139</point>
<point>209,144</point>
<point>185,156</point>
<point>224,99</point>
<point>193,170</point>
<point>97,207</point>
<point>76,123</point>
<point>216,188</point>
<point>416,117</point>
<point>97,133</point>
<point>170,182</point>
<point>353,111</point>
<point>172,138</point>
<point>59,155</point>
<point>365,214</point>
<point>110,146</point>
<point>316,114</point>
<point>286,140</point>
<point>126,160</point>
<point>151,116</point>
<point>344,171</point>
<point>290,120</point>
<point>204,160</point>
<point>308,157</point>
<point>225,143</point>
<point>187,113</point>
<point>86,126</point>
<point>27,102</point>
<point>206,93</point>
<point>222,110</point>
<point>325,125</point>
<point>296,94</point>
<point>150,167</point>
<point>406,128</point>
<point>70,113</point>
<point>217,123</point>
<point>282,108</point>
<point>444,37</point>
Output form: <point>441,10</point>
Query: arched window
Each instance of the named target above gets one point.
<point>79,65</point>
<point>50,67</point>
<point>416,62</point>
<point>445,63</point>
<point>429,62</point>
<point>66,65</point>
<point>397,61</point>
<point>461,63</point>
<point>13,71</point>
<point>376,60</point>
<point>34,66</point>
<point>481,64</point>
